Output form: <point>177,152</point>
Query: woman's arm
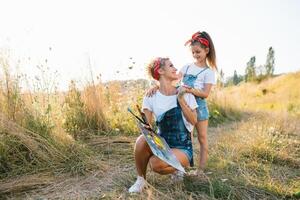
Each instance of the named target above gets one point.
<point>149,116</point>
<point>200,93</point>
<point>189,114</point>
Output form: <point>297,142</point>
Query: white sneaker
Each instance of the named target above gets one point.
<point>138,186</point>
<point>177,176</point>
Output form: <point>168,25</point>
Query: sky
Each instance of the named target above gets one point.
<point>106,37</point>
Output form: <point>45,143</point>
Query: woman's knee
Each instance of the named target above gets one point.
<point>181,157</point>
<point>140,139</point>
<point>156,164</point>
<point>141,144</point>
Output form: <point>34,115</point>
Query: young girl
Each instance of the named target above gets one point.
<point>198,78</point>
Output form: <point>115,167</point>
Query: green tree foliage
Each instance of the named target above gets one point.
<point>270,62</point>
<point>220,80</point>
<point>235,78</point>
<point>250,73</point>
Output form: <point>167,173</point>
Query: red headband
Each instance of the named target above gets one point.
<point>197,37</point>
<point>156,68</point>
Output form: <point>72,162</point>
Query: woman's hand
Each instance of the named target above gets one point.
<point>152,91</point>
<point>146,126</point>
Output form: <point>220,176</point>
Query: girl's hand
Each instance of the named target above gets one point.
<point>188,88</point>
<point>178,80</point>
<point>152,91</point>
<point>180,92</point>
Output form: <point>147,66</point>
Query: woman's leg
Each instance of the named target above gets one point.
<point>201,127</point>
<point>161,167</point>
<point>142,154</point>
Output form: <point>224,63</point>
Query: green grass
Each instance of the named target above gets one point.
<point>253,156</point>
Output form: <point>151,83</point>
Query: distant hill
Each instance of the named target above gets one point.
<point>280,93</point>
<point>130,85</point>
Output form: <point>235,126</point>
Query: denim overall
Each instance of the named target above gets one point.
<point>171,127</point>
<point>202,110</point>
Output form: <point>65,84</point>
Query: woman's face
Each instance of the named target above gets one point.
<point>169,71</point>
<point>199,53</point>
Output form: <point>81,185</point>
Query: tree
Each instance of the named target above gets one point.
<point>250,73</point>
<point>235,78</point>
<point>270,62</point>
<point>220,81</point>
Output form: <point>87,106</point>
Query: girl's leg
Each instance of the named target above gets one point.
<point>201,127</point>
<point>142,154</point>
<point>161,167</point>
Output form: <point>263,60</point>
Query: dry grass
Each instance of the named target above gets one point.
<point>263,152</point>
<point>254,158</point>
<point>38,148</point>
<point>93,100</point>
<point>25,152</point>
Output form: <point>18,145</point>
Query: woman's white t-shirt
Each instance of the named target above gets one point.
<point>159,104</point>
<point>207,76</point>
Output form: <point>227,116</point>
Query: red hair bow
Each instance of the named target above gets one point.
<point>198,37</point>
<point>156,68</point>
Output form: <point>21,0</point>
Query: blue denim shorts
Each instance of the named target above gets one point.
<point>202,110</point>
<point>189,153</point>
<point>182,143</point>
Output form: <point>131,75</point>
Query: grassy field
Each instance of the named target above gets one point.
<point>278,94</point>
<point>79,144</point>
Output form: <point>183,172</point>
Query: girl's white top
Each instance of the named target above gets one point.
<point>207,76</point>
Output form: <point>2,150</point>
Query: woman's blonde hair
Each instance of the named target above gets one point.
<point>154,65</point>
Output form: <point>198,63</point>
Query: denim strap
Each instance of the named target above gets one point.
<point>187,69</point>
<point>202,71</point>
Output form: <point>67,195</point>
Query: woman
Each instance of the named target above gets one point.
<point>175,114</point>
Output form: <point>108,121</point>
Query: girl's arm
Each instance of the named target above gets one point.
<point>201,93</point>
<point>189,114</point>
<point>152,91</point>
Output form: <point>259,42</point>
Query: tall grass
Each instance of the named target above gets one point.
<point>120,96</point>
<point>221,109</point>
<point>10,96</point>
<point>94,104</point>
<point>30,137</point>
<point>84,111</point>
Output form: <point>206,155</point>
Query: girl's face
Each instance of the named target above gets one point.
<point>199,53</point>
<point>169,71</point>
